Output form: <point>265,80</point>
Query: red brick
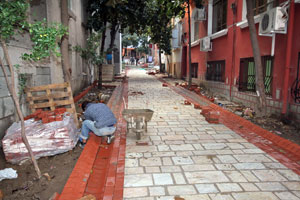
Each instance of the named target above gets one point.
<point>205,110</point>
<point>197,90</point>
<point>58,118</point>
<point>45,120</point>
<point>187,102</point>
<point>165,85</point>
<point>197,106</point>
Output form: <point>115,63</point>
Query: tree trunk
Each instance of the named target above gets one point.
<point>190,53</point>
<point>12,90</point>
<point>260,87</point>
<point>159,56</point>
<point>169,66</point>
<point>65,42</point>
<point>113,31</point>
<point>102,54</point>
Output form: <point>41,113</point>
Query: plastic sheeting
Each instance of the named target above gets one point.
<point>45,139</point>
<point>8,173</point>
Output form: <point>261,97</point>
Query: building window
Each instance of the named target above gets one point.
<point>219,15</point>
<point>260,6</point>
<point>70,4</point>
<point>216,71</point>
<point>247,74</point>
<point>194,70</point>
<point>196,30</point>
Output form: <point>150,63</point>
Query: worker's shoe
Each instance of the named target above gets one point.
<point>110,138</point>
<point>82,142</point>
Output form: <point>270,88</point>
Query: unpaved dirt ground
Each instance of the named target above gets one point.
<point>27,186</point>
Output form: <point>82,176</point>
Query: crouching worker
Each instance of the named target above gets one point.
<point>99,119</point>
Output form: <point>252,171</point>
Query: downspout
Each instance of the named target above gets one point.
<point>234,9</point>
<point>288,58</point>
<point>190,53</point>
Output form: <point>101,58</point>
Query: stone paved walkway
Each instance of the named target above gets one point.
<point>189,158</point>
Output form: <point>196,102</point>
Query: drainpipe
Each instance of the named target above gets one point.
<point>288,58</point>
<point>232,71</point>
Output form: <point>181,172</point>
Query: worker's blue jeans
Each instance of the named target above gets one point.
<point>88,126</point>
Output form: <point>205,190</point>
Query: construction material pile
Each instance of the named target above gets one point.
<point>48,133</point>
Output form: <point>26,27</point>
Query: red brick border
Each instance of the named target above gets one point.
<point>100,167</point>
<point>285,151</point>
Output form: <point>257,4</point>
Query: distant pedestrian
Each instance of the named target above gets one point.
<point>99,119</point>
<point>136,61</point>
<point>132,60</point>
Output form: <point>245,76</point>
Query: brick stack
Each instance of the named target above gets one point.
<point>45,139</point>
<point>210,115</point>
<point>47,116</point>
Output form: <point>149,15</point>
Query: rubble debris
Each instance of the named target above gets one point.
<point>45,139</point>
<point>187,102</point>
<point>205,110</point>
<point>165,85</point>
<point>141,143</point>
<point>47,176</point>
<point>178,198</point>
<point>248,112</point>
<point>197,106</point>
<point>8,173</point>
<point>136,93</point>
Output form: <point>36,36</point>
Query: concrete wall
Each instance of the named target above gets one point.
<point>50,70</point>
<point>117,54</point>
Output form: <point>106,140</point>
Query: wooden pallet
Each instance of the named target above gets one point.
<point>49,97</point>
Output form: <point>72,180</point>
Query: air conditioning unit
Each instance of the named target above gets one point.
<point>200,14</point>
<point>272,21</point>
<point>205,44</point>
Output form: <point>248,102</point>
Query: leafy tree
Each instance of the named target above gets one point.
<point>91,52</point>
<point>160,13</point>
<point>140,42</point>
<point>12,20</point>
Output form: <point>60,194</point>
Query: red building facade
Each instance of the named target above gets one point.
<point>227,66</point>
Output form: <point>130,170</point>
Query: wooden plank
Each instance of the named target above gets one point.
<point>45,87</point>
<point>52,98</point>
<point>46,96</point>
<point>54,103</point>
<point>31,103</point>
<point>51,102</point>
<point>73,106</point>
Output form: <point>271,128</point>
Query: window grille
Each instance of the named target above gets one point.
<point>247,74</point>
<point>260,6</point>
<point>216,71</point>
<point>196,30</point>
<point>219,15</point>
<point>194,70</point>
